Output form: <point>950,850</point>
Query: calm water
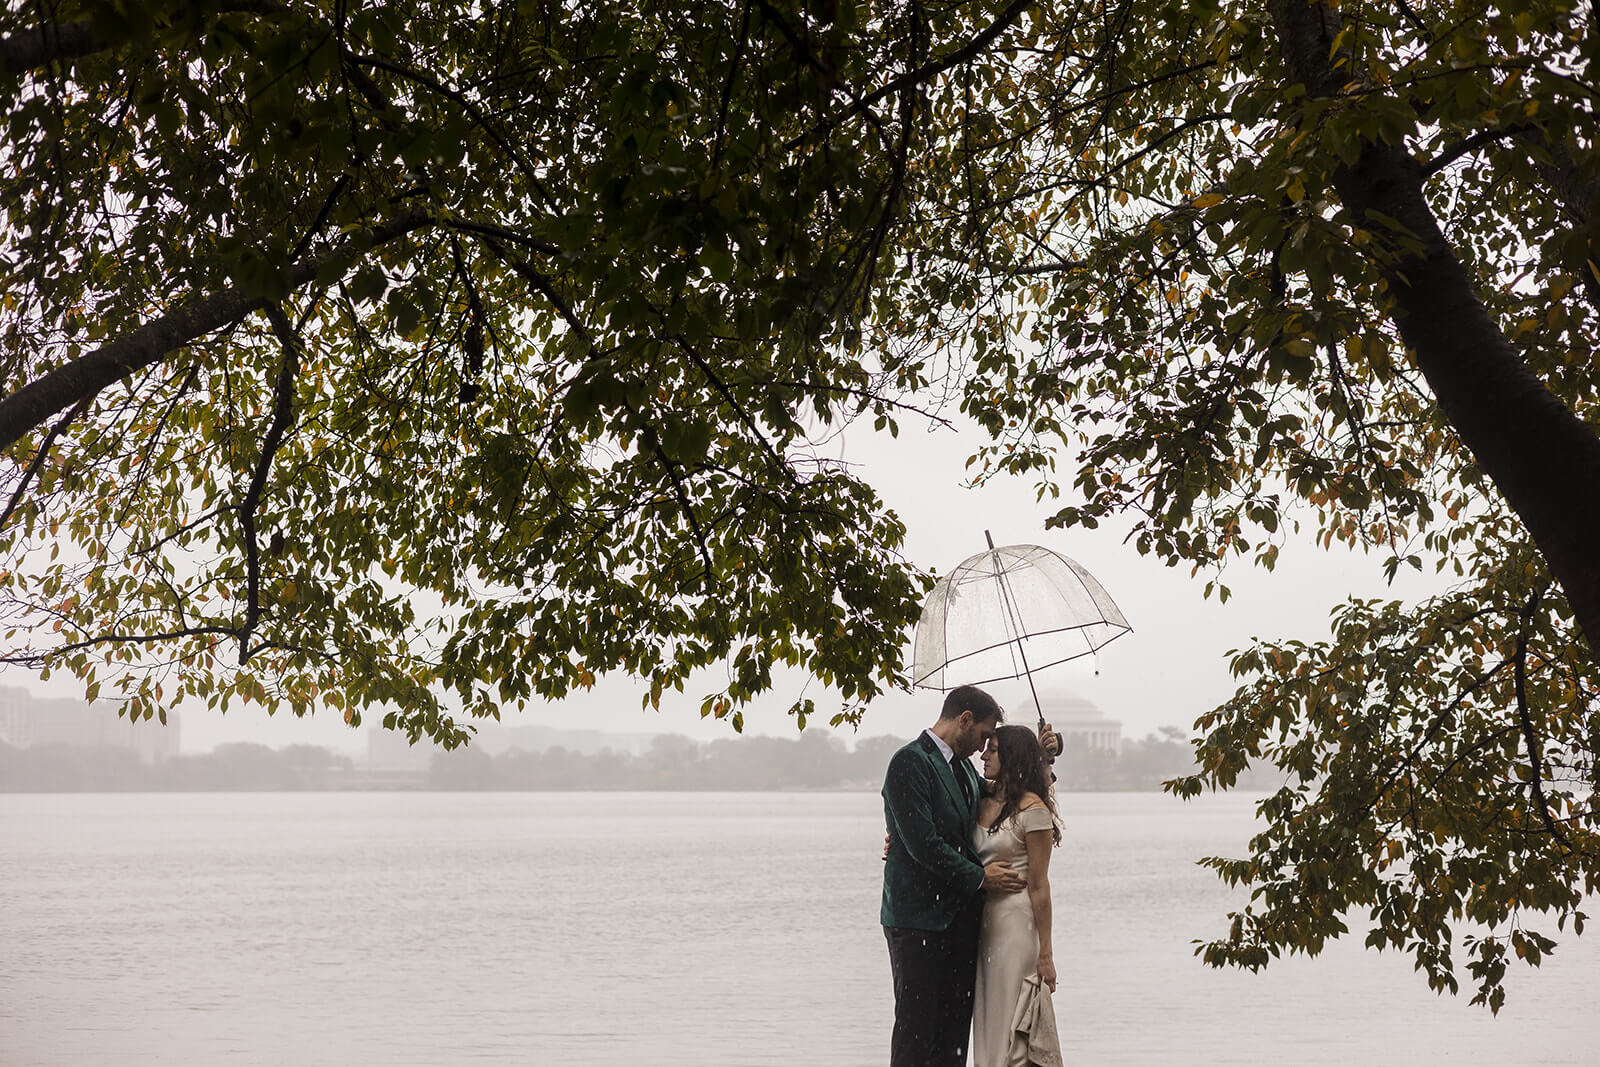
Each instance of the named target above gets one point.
<point>644,929</point>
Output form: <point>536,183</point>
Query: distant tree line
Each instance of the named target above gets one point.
<point>1140,765</point>
<point>113,769</point>
<point>814,760</point>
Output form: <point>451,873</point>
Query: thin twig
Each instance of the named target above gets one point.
<point>38,457</point>
<point>1469,146</point>
<point>727,86</point>
<point>918,76</point>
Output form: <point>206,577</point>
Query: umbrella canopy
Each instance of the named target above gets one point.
<point>1007,612</point>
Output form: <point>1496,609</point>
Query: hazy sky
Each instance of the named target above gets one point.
<point>1167,671</point>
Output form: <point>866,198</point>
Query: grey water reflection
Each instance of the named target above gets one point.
<point>611,929</point>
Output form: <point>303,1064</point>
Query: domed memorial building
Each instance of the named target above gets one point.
<point>1076,718</point>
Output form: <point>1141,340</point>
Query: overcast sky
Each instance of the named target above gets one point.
<point>1170,669</point>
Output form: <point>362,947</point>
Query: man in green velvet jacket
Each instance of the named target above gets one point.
<point>933,883</point>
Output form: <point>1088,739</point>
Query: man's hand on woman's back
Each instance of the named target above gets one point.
<point>1000,878</point>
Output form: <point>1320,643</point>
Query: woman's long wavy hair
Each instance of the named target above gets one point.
<point>1022,770</point>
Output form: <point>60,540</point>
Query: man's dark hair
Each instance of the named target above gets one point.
<point>970,698</point>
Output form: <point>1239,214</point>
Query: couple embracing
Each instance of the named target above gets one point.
<point>966,891</point>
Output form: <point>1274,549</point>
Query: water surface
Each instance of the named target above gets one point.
<point>623,929</point>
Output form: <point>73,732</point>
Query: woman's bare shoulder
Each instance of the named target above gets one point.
<point>1030,800</point>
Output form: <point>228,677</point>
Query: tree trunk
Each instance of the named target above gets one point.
<point>1541,456</point>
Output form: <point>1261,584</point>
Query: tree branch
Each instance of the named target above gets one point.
<point>282,419</point>
<point>1065,266</point>
<point>732,401</point>
<point>501,233</point>
<point>43,658</point>
<point>544,286</point>
<point>1445,714</point>
<point>1467,147</point>
<point>475,113</point>
<point>1525,717</point>
<point>332,198</point>
<point>86,376</point>
<point>727,87</point>
<point>921,74</point>
<point>40,46</point>
<point>38,459</point>
<point>1503,411</point>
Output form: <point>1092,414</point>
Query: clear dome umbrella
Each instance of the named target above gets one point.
<point>1008,612</point>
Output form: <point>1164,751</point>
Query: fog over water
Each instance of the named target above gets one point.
<point>622,929</point>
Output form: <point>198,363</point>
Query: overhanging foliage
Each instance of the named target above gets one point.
<point>316,313</point>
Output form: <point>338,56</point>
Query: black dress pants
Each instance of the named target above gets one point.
<point>933,972</point>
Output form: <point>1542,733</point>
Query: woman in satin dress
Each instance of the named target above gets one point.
<point>1017,824</point>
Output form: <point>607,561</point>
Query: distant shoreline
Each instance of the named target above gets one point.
<point>809,763</point>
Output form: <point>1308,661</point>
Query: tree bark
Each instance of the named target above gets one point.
<point>49,43</point>
<point>38,46</point>
<point>116,360</point>
<point>1539,454</point>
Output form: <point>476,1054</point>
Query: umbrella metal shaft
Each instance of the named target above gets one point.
<point>1008,602</point>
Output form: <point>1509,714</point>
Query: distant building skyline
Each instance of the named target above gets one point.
<point>28,721</point>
